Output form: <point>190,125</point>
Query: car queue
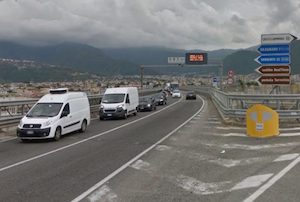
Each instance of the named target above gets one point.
<point>61,112</point>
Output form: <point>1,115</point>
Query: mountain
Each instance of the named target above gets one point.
<point>80,57</point>
<point>241,62</point>
<point>30,71</point>
<point>159,56</point>
<point>127,61</point>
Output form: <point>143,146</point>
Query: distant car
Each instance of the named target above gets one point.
<point>191,96</point>
<point>147,104</point>
<point>176,93</point>
<point>161,99</point>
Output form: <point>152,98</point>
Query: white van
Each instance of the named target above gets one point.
<point>119,102</point>
<point>55,114</point>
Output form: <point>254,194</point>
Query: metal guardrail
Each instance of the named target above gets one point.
<point>233,105</point>
<point>15,110</point>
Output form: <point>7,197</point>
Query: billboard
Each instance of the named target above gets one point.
<point>196,58</point>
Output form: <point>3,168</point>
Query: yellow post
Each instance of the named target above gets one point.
<point>262,121</point>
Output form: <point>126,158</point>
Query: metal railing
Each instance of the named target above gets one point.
<point>233,105</point>
<point>12,111</point>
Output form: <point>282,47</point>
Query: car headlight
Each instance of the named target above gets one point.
<point>120,108</point>
<point>101,107</point>
<point>20,124</point>
<point>47,123</point>
<point>161,100</point>
<point>148,105</point>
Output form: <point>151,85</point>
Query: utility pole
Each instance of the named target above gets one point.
<point>142,75</point>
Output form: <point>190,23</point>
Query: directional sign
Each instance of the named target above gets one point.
<point>275,70</point>
<point>277,38</point>
<point>274,80</point>
<point>273,59</point>
<point>176,60</point>
<point>274,49</point>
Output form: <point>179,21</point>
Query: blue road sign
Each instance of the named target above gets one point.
<point>273,59</point>
<point>274,49</point>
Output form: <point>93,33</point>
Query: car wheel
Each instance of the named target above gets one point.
<point>101,118</point>
<point>125,115</point>
<point>57,134</point>
<point>83,126</point>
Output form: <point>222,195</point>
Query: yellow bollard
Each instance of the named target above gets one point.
<point>262,121</point>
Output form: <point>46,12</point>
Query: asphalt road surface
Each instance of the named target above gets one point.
<point>60,171</point>
<point>180,152</point>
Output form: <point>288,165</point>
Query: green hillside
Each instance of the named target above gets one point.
<point>12,73</point>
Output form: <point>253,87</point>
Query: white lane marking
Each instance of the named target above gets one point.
<point>85,140</point>
<point>234,135</point>
<point>253,181</point>
<point>253,147</point>
<point>289,134</point>
<point>286,157</point>
<point>8,139</point>
<point>272,181</point>
<point>213,119</point>
<point>103,194</point>
<point>230,128</point>
<point>123,167</point>
<point>213,122</point>
<point>228,163</point>
<point>201,188</point>
<point>245,135</point>
<point>140,165</point>
<point>289,129</point>
<point>162,148</point>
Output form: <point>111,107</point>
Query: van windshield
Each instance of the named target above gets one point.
<point>45,110</point>
<point>113,98</point>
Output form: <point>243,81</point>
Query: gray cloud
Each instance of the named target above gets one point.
<point>204,24</point>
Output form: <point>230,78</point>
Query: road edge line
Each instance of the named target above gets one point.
<point>126,165</point>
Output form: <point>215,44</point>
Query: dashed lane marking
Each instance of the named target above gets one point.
<point>253,181</point>
<point>253,147</point>
<point>228,163</point>
<point>286,157</point>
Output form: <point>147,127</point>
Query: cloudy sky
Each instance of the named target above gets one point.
<point>185,24</point>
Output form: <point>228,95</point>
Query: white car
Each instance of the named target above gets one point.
<point>55,114</point>
<point>176,93</point>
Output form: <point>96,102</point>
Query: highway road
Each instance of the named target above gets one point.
<point>180,152</point>
<point>60,171</point>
